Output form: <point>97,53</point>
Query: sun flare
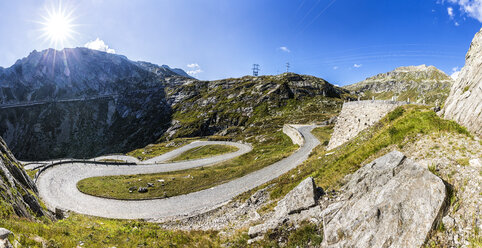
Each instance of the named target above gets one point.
<point>57,26</point>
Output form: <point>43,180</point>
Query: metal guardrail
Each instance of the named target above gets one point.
<point>78,161</point>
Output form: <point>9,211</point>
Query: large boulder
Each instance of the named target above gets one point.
<point>301,198</point>
<point>464,104</point>
<point>390,202</point>
<point>4,234</point>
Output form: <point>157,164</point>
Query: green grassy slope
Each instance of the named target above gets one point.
<point>204,152</point>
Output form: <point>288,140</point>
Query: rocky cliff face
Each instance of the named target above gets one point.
<point>17,191</point>
<point>80,103</point>
<point>464,103</point>
<point>419,83</point>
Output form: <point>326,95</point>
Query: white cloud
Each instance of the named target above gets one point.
<point>450,11</point>
<point>285,49</point>
<point>472,8</point>
<point>100,45</point>
<point>194,72</point>
<point>357,65</point>
<point>455,73</point>
<point>335,67</point>
<point>193,65</point>
<point>195,69</point>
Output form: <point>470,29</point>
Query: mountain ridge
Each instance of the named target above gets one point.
<point>136,112</point>
<point>418,83</point>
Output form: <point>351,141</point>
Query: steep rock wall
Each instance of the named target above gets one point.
<point>356,116</point>
<point>464,104</point>
<point>17,191</point>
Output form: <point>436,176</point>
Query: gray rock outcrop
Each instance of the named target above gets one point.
<point>296,202</point>
<point>300,198</point>
<point>17,191</point>
<point>464,104</point>
<point>390,202</point>
<point>4,234</point>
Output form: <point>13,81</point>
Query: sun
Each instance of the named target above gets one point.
<point>57,26</point>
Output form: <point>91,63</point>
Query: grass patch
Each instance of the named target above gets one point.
<point>31,173</point>
<point>463,161</point>
<point>306,235</point>
<point>323,134</point>
<point>154,150</point>
<point>204,152</point>
<point>433,168</point>
<point>84,231</point>
<point>277,147</point>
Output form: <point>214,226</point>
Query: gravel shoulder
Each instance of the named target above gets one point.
<point>57,185</point>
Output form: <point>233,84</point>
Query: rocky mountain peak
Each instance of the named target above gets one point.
<point>75,72</point>
<point>418,68</point>
<point>68,73</point>
<point>413,73</point>
<point>418,83</point>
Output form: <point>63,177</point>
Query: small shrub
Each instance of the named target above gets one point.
<point>463,161</point>
<point>433,168</point>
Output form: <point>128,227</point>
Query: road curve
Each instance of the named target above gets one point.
<point>33,165</point>
<point>57,185</point>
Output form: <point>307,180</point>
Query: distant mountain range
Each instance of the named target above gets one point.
<point>417,83</point>
<point>75,72</point>
<point>91,102</point>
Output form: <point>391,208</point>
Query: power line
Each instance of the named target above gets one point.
<point>255,70</point>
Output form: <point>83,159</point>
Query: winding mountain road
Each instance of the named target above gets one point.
<point>57,185</point>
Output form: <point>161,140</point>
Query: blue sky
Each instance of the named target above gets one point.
<point>342,41</point>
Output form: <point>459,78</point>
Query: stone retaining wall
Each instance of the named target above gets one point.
<point>358,115</point>
<point>294,134</point>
